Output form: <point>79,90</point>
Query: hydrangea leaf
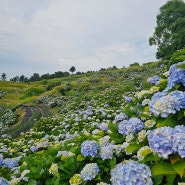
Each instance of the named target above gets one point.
<point>162,168</point>
<point>182,66</point>
<point>179,167</point>
<point>132,147</point>
<point>80,157</point>
<point>170,121</point>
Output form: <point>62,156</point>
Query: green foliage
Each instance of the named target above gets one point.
<point>170,30</point>
<point>51,85</point>
<point>32,91</point>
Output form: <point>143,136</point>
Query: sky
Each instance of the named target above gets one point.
<point>45,36</point>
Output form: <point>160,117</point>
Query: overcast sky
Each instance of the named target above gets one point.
<point>45,36</point>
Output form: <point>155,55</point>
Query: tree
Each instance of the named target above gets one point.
<point>3,76</point>
<point>72,69</point>
<point>169,33</point>
<point>35,77</point>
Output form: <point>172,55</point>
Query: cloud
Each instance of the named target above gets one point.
<point>90,34</point>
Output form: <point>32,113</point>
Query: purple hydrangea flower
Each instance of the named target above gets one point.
<point>90,171</point>
<point>160,141</point>
<point>128,99</point>
<point>132,173</point>
<point>154,80</point>
<point>132,125</point>
<point>89,148</point>
<point>176,75</point>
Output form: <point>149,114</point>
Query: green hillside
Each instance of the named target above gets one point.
<point>85,128</point>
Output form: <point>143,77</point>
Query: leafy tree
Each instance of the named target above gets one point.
<point>72,69</point>
<point>35,77</point>
<point>169,33</point>
<point>15,79</point>
<point>3,76</point>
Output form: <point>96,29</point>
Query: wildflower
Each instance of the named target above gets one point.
<point>75,180</point>
<point>131,173</point>
<point>90,171</point>
<point>53,169</point>
<point>89,148</point>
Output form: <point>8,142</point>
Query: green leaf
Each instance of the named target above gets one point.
<point>179,167</point>
<point>113,127</point>
<point>132,147</point>
<point>170,179</point>
<point>162,168</point>
<point>182,66</point>
<point>170,121</point>
<point>113,162</point>
<point>157,179</point>
<point>32,182</point>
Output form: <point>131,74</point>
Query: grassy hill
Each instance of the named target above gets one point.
<point>85,129</point>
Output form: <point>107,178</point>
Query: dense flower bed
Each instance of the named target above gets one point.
<point>141,142</point>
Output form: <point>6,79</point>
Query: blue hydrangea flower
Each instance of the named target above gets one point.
<point>103,126</point>
<point>179,140</point>
<point>160,141</point>
<point>164,104</point>
<point>89,148</point>
<point>10,163</point>
<point>131,173</point>
<point>3,181</point>
<point>128,99</point>
<point>132,125</point>
<point>90,171</point>
<point>154,80</point>
<point>120,117</point>
<point>106,152</point>
<point>176,75</point>
<point>1,160</point>
<point>33,148</point>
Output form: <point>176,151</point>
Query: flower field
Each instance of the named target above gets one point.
<point>135,138</point>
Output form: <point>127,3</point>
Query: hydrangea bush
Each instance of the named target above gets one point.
<point>140,142</point>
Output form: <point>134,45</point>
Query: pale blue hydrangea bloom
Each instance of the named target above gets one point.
<point>106,152</point>
<point>132,125</point>
<point>120,117</point>
<point>154,80</point>
<point>89,148</point>
<point>1,160</point>
<point>179,140</point>
<point>128,99</point>
<point>102,183</point>
<point>163,104</point>
<point>176,75</point>
<point>33,148</point>
<point>131,173</point>
<point>3,181</point>
<point>103,126</point>
<point>90,171</point>
<point>10,162</point>
<point>160,141</point>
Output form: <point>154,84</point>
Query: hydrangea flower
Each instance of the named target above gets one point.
<point>33,148</point>
<point>1,160</point>
<point>131,173</point>
<point>89,148</point>
<point>179,140</point>
<point>160,141</point>
<point>10,163</point>
<point>75,180</point>
<point>103,126</point>
<point>120,117</point>
<point>164,104</point>
<point>106,152</point>
<point>154,80</point>
<point>128,99</point>
<point>90,171</point>
<point>53,169</point>
<point>102,183</point>
<point>132,125</point>
<point>176,75</point>
<point>3,181</point>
